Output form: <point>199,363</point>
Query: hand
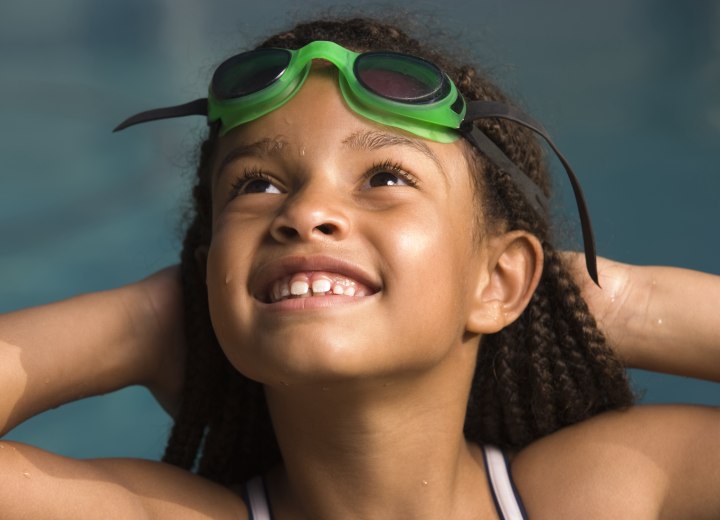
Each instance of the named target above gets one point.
<point>159,322</point>
<point>662,319</point>
<point>615,303</point>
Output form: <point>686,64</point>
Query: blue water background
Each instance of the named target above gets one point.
<point>630,89</point>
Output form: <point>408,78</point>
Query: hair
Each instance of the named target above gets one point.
<point>549,369</point>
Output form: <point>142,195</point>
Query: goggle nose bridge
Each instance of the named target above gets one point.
<point>342,58</point>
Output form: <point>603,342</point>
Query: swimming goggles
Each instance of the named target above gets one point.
<point>390,88</point>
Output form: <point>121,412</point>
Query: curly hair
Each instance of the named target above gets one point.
<point>549,369</point>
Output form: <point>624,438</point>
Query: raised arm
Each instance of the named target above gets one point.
<point>92,344</point>
<point>663,319</point>
<point>89,345</point>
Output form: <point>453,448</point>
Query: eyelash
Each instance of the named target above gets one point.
<point>395,168</point>
<point>246,177</point>
<point>387,166</point>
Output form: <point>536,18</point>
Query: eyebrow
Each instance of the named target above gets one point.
<point>375,140</point>
<point>361,140</point>
<point>261,148</point>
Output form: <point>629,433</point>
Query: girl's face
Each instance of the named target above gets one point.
<point>341,248</point>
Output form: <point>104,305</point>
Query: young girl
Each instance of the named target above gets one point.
<point>370,320</point>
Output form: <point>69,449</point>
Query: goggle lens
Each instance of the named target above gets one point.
<point>400,77</point>
<point>249,72</point>
<point>397,77</point>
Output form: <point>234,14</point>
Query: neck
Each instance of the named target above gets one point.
<point>382,448</point>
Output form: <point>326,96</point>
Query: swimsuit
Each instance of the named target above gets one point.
<point>507,500</point>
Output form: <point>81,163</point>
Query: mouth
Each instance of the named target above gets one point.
<point>313,277</point>
<point>314,284</point>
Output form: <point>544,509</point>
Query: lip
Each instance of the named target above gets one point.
<point>287,266</point>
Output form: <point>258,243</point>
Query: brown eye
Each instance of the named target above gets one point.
<point>258,186</point>
<point>388,174</point>
<point>386,179</point>
<point>253,182</point>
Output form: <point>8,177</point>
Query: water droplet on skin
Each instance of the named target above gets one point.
<point>26,474</point>
<point>424,482</point>
<point>302,152</point>
<point>659,321</point>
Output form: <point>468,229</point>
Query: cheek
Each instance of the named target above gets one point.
<point>222,292</point>
<point>236,237</point>
<point>431,259</point>
<point>228,297</point>
<point>224,265</point>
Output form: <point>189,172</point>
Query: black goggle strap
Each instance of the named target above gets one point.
<point>535,197</point>
<point>199,107</point>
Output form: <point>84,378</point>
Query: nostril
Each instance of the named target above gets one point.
<point>288,232</point>
<point>325,229</point>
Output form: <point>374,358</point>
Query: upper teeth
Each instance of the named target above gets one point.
<point>302,285</point>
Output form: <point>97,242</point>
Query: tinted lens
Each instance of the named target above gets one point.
<point>249,72</point>
<point>400,77</point>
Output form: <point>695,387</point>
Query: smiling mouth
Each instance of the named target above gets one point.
<point>314,284</point>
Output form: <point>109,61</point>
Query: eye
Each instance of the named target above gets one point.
<point>388,174</point>
<point>254,181</point>
<point>385,179</point>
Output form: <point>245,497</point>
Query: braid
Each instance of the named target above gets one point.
<point>552,367</point>
<point>549,369</point>
<point>202,361</point>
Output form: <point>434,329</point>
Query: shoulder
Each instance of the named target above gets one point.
<point>645,462</point>
<point>37,484</point>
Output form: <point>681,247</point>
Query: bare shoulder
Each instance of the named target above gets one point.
<point>39,485</point>
<point>645,462</point>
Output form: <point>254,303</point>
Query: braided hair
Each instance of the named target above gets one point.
<point>549,369</point>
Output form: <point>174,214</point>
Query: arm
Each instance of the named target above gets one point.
<point>663,319</point>
<point>92,344</point>
<point>654,461</point>
<point>40,485</point>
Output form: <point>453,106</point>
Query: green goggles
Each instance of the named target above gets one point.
<point>389,88</point>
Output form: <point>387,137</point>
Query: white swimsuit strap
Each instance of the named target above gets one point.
<point>506,499</point>
<point>507,502</point>
<point>257,499</point>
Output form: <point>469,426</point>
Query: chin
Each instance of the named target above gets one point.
<point>302,355</point>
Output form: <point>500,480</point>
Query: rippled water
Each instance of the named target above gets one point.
<point>630,89</point>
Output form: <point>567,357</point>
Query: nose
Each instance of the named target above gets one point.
<point>312,213</point>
